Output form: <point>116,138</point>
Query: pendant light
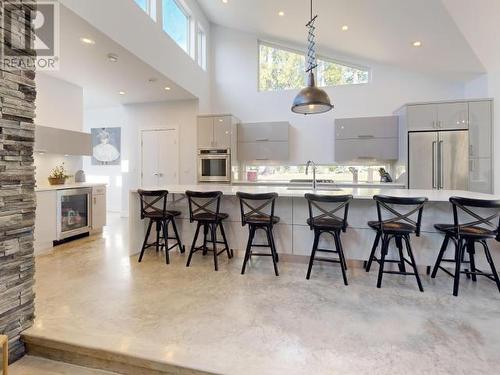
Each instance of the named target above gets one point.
<point>311,100</point>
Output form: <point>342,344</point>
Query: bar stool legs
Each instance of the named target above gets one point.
<point>270,244</point>
<point>212,228</point>
<point>162,238</point>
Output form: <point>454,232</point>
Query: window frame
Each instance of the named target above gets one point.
<point>150,8</point>
<point>201,50</point>
<point>189,18</point>
<point>318,57</point>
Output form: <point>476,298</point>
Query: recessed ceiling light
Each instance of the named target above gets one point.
<point>225,1</point>
<point>417,43</point>
<point>122,93</point>
<point>345,28</point>
<point>281,13</point>
<point>167,88</point>
<point>112,57</point>
<point>87,41</point>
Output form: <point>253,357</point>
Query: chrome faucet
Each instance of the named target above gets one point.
<point>311,163</point>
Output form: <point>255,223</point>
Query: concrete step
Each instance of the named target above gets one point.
<point>100,359</point>
<point>30,365</point>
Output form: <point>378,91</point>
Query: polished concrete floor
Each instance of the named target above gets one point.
<point>91,293</point>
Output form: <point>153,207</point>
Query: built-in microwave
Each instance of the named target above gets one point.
<point>214,165</point>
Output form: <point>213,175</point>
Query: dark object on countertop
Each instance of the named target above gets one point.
<point>384,175</point>
<point>80,176</point>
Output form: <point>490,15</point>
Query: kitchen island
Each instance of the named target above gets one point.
<point>293,236</point>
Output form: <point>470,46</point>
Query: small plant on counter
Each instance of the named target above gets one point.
<point>58,175</point>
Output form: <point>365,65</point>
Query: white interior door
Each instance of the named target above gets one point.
<point>160,158</point>
<point>168,161</point>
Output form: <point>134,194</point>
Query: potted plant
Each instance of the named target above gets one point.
<point>58,175</point>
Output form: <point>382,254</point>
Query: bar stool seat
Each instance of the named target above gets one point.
<point>393,228</point>
<point>472,231</point>
<point>210,217</point>
<point>261,219</point>
<point>326,223</point>
<point>160,215</point>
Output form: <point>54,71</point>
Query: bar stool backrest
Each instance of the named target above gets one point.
<point>407,210</point>
<point>203,203</point>
<point>153,202</point>
<point>324,207</point>
<point>462,208</point>
<point>257,205</point>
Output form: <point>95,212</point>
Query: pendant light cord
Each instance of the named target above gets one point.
<point>311,48</point>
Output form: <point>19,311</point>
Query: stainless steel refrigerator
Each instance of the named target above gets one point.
<point>439,160</point>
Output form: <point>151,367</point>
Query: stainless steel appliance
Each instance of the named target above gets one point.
<point>439,160</point>
<point>73,212</point>
<point>214,165</point>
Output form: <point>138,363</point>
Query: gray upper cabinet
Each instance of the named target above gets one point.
<point>366,138</point>
<point>438,116</point>
<point>217,131</point>
<point>263,141</point>
<point>62,142</point>
<point>480,125</point>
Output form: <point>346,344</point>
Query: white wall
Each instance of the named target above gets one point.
<point>133,118</point>
<point>481,31</point>
<point>234,90</point>
<point>59,104</point>
<point>138,33</point>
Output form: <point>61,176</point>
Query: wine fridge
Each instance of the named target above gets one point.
<point>73,212</point>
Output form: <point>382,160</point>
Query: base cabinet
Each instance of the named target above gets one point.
<point>98,207</point>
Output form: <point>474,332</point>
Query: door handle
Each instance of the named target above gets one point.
<point>434,166</point>
<point>441,174</point>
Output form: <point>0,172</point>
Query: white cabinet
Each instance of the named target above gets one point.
<point>45,220</point>
<point>62,142</point>
<point>481,176</point>
<point>366,138</point>
<point>436,116</point>
<point>480,126</point>
<point>98,207</point>
<point>217,131</point>
<point>265,141</point>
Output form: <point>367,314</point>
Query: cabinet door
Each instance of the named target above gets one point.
<point>262,151</point>
<point>480,123</point>
<point>98,211</point>
<point>423,168</point>
<point>149,158</point>
<point>480,176</point>
<point>422,117</point>
<point>367,127</point>
<point>222,132</point>
<point>205,132</point>
<point>453,116</point>
<point>264,132</point>
<point>347,150</point>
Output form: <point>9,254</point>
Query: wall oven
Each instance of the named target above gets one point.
<point>73,212</point>
<point>214,165</point>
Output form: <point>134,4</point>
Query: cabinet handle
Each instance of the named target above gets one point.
<point>365,157</point>
<point>434,124</point>
<point>471,165</point>
<point>365,136</point>
<point>95,200</point>
<point>262,140</point>
<point>260,159</point>
<point>471,150</point>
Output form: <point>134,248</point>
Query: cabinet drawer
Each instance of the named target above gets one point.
<point>99,190</point>
<point>263,132</point>
<point>360,149</point>
<point>366,127</point>
<point>262,151</point>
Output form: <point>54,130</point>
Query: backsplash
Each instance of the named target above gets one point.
<point>44,164</point>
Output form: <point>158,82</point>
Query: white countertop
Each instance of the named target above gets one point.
<point>358,193</point>
<point>375,184</point>
<point>67,186</point>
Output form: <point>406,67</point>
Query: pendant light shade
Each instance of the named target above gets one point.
<point>311,100</point>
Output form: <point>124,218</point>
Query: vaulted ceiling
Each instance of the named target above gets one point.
<point>381,31</point>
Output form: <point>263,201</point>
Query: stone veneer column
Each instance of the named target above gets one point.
<point>17,196</point>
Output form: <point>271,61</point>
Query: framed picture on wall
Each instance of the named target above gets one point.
<point>106,146</point>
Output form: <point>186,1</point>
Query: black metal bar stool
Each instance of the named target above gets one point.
<point>465,235</point>
<point>257,210</point>
<point>398,226</point>
<point>204,208</point>
<point>322,219</point>
<point>154,208</point>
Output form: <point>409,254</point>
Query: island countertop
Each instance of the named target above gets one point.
<point>295,192</point>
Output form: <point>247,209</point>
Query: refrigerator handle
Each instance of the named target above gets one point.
<point>434,165</point>
<point>440,164</point>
